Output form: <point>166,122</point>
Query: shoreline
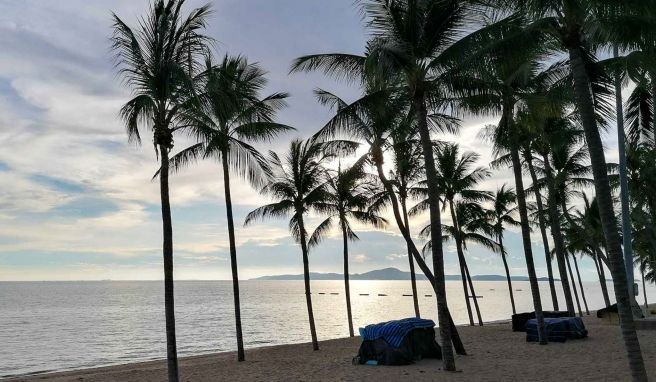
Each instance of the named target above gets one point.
<point>46,373</point>
<point>495,353</point>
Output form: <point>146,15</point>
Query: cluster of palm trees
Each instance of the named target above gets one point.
<point>542,66</point>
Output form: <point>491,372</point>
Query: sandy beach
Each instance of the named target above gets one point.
<point>495,354</point>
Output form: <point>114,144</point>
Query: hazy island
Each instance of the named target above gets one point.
<point>388,274</point>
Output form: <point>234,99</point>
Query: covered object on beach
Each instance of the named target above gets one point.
<point>519,320</point>
<point>399,342</point>
<point>558,329</point>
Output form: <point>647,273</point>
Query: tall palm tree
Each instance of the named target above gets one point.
<point>503,211</point>
<point>348,199</point>
<point>407,159</point>
<point>299,185</point>
<point>546,127</point>
<point>528,159</point>
<point>372,119</point>
<point>505,62</point>
<point>576,25</point>
<point>157,61</point>
<point>229,115</point>
<point>457,178</point>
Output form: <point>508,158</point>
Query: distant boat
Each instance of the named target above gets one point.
<point>491,289</point>
<point>428,295</point>
<point>476,296</point>
<point>407,295</point>
<point>322,293</point>
<point>381,294</point>
<point>334,293</point>
<point>518,290</point>
<point>364,294</point>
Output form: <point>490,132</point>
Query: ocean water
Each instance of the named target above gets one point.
<point>55,326</point>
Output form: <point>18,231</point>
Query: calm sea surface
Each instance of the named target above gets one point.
<point>53,326</point>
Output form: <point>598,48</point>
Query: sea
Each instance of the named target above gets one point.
<point>57,326</point>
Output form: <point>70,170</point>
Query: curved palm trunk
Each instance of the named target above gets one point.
<point>505,265</point>
<point>448,331</point>
<point>526,240</point>
<point>602,280</point>
<point>306,279</point>
<point>576,293</point>
<point>413,277</point>
<point>578,275</point>
<point>347,287</point>
<point>167,249</point>
<point>606,212</point>
<point>233,257</point>
<point>543,227</point>
<point>557,235</point>
<point>604,287</point>
<point>435,218</point>
<point>461,262</point>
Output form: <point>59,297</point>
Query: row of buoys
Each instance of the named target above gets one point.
<point>384,295</point>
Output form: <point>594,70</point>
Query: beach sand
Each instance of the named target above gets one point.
<point>495,354</point>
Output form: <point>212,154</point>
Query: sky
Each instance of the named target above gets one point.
<point>77,201</point>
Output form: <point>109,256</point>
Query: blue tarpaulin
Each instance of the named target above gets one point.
<point>394,331</point>
<point>558,329</point>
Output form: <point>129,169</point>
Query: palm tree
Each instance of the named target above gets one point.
<point>503,209</point>
<point>229,115</point>
<point>372,119</point>
<point>505,65</point>
<point>299,186</point>
<point>472,225</point>
<point>157,61</point>
<point>348,199</point>
<point>576,25</point>
<point>407,172</point>
<point>528,159</point>
<point>456,179</point>
<point>545,126</point>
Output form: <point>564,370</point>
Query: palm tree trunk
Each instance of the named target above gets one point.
<point>644,290</point>
<point>473,295</point>
<point>624,181</point>
<point>653,102</point>
<point>603,272</point>
<point>347,287</point>
<point>169,304</point>
<point>435,218</point>
<point>505,265</point>
<point>576,294</point>
<point>543,227</point>
<point>233,257</point>
<point>306,279</point>
<point>602,279</point>
<point>461,261</point>
<point>526,240</point>
<point>413,277</point>
<point>578,275</point>
<point>448,330</point>
<point>603,192</point>
<point>552,206</point>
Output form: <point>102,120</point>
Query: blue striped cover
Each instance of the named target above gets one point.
<point>394,331</point>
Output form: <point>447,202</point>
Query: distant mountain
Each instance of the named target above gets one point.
<point>389,274</point>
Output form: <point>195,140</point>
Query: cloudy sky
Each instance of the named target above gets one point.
<point>77,201</point>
